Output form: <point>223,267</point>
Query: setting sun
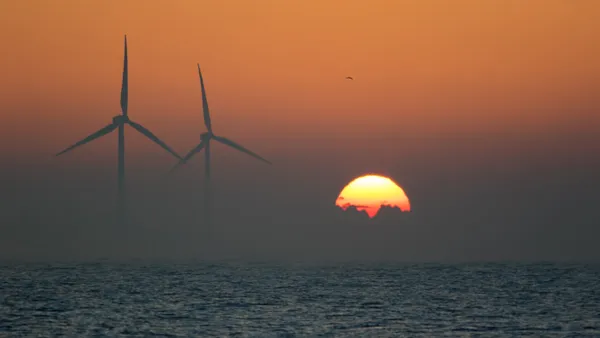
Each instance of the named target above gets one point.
<point>370,192</point>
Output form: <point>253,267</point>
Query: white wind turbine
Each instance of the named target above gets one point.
<point>205,140</point>
<point>120,121</point>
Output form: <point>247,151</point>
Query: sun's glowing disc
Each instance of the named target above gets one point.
<point>370,192</point>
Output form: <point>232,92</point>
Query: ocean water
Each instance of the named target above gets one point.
<point>287,300</point>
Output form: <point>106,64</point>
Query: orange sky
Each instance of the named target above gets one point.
<point>276,68</point>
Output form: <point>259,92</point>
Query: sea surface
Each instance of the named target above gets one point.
<point>287,300</point>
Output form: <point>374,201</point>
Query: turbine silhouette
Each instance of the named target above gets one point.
<point>205,140</point>
<point>120,121</point>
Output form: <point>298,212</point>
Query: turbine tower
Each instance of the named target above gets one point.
<point>119,122</point>
<point>205,141</point>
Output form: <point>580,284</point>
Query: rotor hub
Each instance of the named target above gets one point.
<point>205,136</point>
<point>120,119</point>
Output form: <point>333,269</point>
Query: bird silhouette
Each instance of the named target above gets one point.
<point>349,78</point>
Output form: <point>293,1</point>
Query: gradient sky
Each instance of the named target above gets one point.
<point>485,112</point>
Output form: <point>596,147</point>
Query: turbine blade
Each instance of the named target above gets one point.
<point>193,152</point>
<point>153,137</point>
<point>92,137</point>
<point>204,103</point>
<point>239,147</point>
<point>125,83</point>
<point>175,167</point>
<point>189,155</point>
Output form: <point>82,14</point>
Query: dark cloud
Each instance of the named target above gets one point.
<point>355,206</point>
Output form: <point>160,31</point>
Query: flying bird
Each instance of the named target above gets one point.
<point>349,78</point>
<point>119,122</point>
<point>205,141</point>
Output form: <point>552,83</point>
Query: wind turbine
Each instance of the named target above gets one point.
<point>205,140</point>
<point>119,122</point>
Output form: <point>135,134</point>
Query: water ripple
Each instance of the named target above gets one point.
<point>249,300</point>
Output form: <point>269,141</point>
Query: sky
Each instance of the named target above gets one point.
<point>485,113</point>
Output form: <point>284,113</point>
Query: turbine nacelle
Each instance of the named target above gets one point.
<point>206,136</point>
<point>120,119</point>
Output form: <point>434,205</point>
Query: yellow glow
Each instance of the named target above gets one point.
<point>369,192</point>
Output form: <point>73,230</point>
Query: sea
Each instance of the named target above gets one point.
<point>235,299</point>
